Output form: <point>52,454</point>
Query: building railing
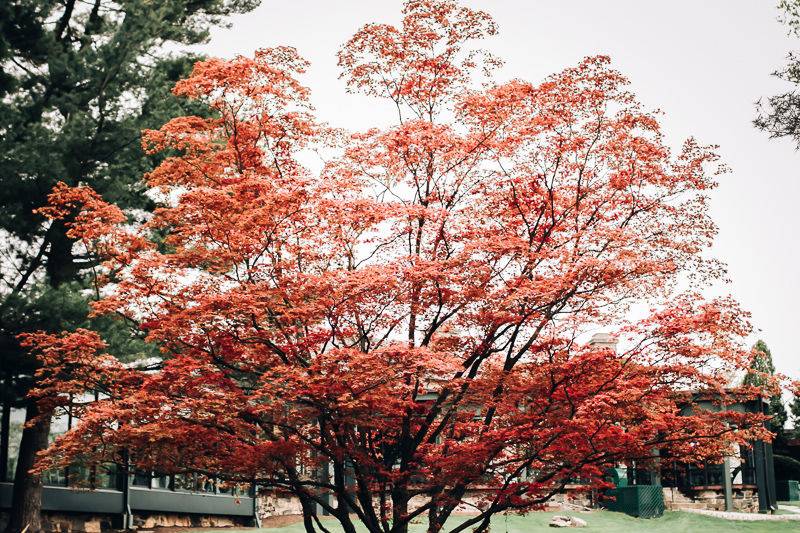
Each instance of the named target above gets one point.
<point>140,499</point>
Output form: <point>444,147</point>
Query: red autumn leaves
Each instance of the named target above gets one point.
<point>413,316</point>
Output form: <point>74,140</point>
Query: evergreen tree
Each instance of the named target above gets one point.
<point>762,368</point>
<point>794,407</point>
<point>779,115</point>
<point>79,80</point>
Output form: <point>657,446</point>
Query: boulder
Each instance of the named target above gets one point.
<point>567,521</point>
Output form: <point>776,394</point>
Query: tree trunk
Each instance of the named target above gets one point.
<point>26,501</point>
<point>434,526</point>
<point>399,510</point>
<point>60,266</point>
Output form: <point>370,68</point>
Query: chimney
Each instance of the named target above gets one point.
<point>604,340</point>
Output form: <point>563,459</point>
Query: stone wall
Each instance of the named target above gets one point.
<point>67,523</point>
<point>148,521</point>
<point>276,503</point>
<point>745,499</point>
<point>95,523</point>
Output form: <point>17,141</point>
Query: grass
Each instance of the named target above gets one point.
<point>671,522</point>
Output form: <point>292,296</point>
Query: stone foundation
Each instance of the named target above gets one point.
<point>745,499</point>
<point>149,521</point>
<point>277,503</point>
<point>67,523</point>
<point>571,498</point>
<point>89,523</point>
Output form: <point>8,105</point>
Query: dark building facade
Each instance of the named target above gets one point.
<point>82,499</point>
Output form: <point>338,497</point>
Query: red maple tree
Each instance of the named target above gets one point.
<point>412,318</point>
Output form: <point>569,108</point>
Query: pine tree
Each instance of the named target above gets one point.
<point>779,115</point>
<point>78,82</point>
<point>762,368</point>
<point>794,407</point>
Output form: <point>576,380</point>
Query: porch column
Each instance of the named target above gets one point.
<point>765,476</point>
<point>727,485</point>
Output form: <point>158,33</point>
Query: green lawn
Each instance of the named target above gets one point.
<point>671,522</point>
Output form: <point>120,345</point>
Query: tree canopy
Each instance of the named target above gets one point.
<point>762,374</point>
<point>412,319</point>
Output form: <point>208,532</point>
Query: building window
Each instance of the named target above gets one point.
<point>186,482</point>
<point>106,476</point>
<point>747,466</point>
<point>16,423</point>
<point>161,481</point>
<point>140,479</point>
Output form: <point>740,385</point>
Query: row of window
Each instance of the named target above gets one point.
<point>742,471</point>
<point>108,476</point>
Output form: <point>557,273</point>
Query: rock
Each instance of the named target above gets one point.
<point>93,526</point>
<point>567,521</point>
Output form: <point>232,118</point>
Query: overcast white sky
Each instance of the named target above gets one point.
<point>703,62</point>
